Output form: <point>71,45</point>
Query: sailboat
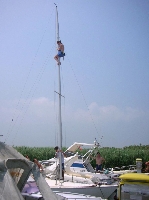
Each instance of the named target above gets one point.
<point>83,184</point>
<point>80,177</point>
<point>16,170</point>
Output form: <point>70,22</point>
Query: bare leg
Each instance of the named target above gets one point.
<point>56,58</point>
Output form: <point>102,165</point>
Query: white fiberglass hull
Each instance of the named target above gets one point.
<point>103,191</point>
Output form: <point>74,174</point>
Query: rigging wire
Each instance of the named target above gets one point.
<point>82,95</point>
<point>15,118</point>
<point>32,91</point>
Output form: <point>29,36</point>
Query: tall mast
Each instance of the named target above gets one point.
<point>59,93</point>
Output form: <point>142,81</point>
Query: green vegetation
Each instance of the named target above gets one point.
<point>40,153</point>
<point>115,157</point>
<point>118,157</point>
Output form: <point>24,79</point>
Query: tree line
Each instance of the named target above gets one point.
<point>114,157</point>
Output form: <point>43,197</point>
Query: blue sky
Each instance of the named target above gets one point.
<point>105,74</point>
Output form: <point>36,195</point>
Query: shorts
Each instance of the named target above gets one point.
<point>60,54</point>
<point>98,167</point>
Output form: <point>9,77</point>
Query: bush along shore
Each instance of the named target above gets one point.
<point>114,157</point>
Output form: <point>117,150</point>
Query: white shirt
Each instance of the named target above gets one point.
<point>57,155</point>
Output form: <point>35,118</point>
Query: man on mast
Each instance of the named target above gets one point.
<point>60,52</point>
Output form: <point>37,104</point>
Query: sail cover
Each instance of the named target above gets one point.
<point>15,170</point>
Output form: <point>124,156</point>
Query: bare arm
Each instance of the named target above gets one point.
<point>103,160</point>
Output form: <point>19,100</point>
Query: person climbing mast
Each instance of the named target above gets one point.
<point>60,52</point>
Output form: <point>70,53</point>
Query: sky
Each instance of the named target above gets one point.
<point>104,75</point>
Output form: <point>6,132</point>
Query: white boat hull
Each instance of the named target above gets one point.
<point>103,191</point>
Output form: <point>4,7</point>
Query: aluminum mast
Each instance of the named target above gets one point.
<point>59,93</point>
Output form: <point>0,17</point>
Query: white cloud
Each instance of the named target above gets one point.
<point>108,113</point>
<point>39,117</point>
<point>44,109</point>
